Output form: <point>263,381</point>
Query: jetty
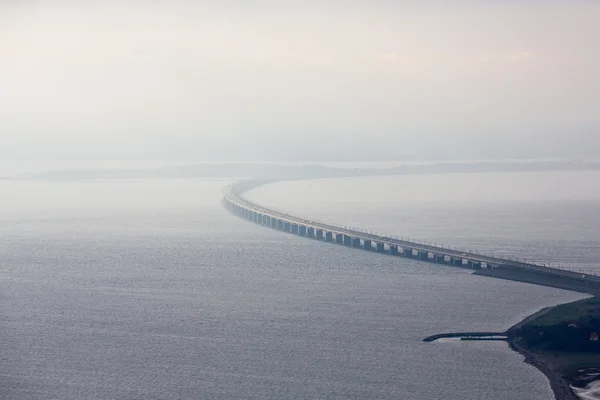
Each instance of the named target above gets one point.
<point>470,335</point>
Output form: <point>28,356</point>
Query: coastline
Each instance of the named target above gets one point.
<point>561,387</point>
<point>559,371</point>
<point>531,317</point>
<point>560,384</point>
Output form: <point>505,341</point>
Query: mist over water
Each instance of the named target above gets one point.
<point>551,217</point>
<point>151,289</point>
<point>122,276</point>
<point>298,80</point>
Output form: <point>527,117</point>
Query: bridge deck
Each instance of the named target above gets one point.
<point>233,195</point>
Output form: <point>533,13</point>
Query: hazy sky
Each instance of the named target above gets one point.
<point>298,80</point>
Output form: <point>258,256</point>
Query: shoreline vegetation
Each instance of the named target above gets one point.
<point>560,341</point>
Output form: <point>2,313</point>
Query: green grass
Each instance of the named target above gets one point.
<point>565,313</point>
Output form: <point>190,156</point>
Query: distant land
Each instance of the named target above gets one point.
<point>304,171</point>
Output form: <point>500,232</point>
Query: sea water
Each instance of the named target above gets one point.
<point>151,290</point>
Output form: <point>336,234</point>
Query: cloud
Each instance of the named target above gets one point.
<point>441,60</point>
<point>514,57</point>
<point>518,57</point>
<point>388,56</point>
<point>241,75</point>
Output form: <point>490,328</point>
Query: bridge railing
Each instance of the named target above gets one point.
<point>233,194</point>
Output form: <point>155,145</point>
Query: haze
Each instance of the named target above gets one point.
<point>298,80</point>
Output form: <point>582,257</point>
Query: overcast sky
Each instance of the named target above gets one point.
<point>298,80</point>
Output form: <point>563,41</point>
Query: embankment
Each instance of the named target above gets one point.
<point>558,282</point>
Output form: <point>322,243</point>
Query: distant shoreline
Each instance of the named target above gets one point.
<point>309,170</point>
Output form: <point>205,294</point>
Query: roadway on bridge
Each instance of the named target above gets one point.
<point>235,195</point>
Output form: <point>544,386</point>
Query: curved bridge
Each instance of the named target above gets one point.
<point>238,205</point>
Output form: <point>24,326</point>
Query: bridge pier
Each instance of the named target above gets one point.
<point>241,207</point>
<point>347,240</point>
<point>474,265</point>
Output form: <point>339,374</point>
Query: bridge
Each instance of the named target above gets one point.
<point>235,202</point>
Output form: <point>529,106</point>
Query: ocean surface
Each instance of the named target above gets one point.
<point>151,290</point>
